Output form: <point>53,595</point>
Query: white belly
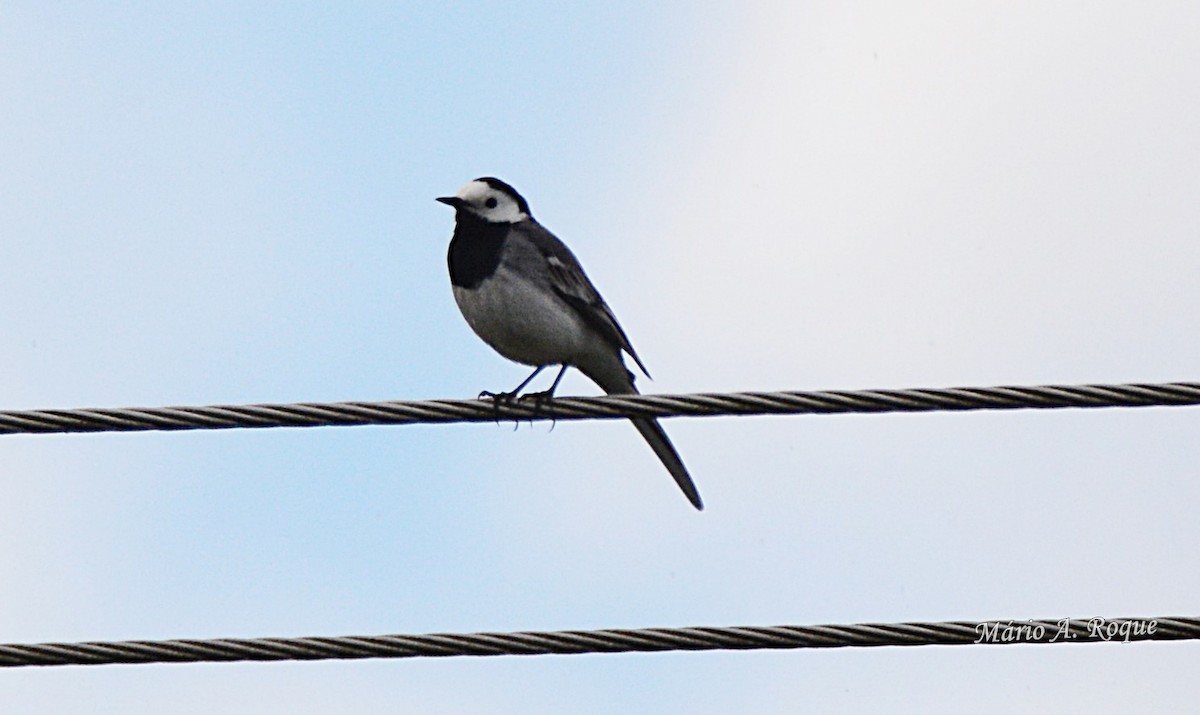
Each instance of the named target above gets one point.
<point>522,324</point>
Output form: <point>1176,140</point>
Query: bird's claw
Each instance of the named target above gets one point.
<point>498,397</point>
<point>539,400</point>
<point>508,398</point>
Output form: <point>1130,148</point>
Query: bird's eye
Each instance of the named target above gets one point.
<point>491,202</point>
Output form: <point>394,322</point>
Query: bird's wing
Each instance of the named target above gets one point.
<point>570,282</point>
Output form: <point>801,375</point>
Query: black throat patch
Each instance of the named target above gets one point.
<point>474,249</point>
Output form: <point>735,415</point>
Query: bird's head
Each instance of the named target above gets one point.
<point>491,200</point>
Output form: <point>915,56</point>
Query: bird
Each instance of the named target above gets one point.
<point>525,294</point>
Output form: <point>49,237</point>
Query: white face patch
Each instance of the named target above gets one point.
<point>491,204</point>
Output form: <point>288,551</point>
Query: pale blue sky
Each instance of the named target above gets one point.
<point>235,204</point>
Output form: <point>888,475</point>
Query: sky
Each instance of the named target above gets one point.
<point>233,203</point>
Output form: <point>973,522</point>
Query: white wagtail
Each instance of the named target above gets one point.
<point>526,295</point>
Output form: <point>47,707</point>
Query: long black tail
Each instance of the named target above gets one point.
<point>653,432</point>
<point>620,382</point>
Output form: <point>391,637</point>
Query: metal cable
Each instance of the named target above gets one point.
<point>394,412</point>
<point>1094,630</point>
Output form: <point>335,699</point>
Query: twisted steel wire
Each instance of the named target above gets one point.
<point>396,412</point>
<point>1095,630</point>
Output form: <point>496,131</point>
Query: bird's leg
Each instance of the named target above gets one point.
<point>499,397</point>
<point>539,398</point>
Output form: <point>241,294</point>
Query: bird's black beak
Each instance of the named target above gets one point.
<point>451,201</point>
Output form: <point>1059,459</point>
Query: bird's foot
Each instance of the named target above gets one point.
<point>539,400</point>
<point>498,399</point>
